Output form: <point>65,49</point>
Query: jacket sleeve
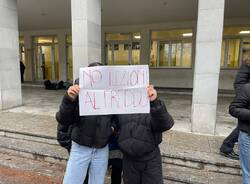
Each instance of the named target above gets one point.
<point>239,106</point>
<point>242,76</point>
<point>161,120</point>
<point>66,114</point>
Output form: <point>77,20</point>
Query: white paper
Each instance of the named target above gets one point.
<point>113,90</point>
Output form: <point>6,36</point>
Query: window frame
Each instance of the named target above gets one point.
<point>171,42</point>
<point>191,38</point>
<point>241,38</point>
<point>129,42</point>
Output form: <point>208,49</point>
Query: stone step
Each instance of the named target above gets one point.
<point>182,174</point>
<point>171,155</point>
<point>197,151</point>
<point>34,149</point>
<point>28,136</point>
<point>190,168</point>
<point>15,169</point>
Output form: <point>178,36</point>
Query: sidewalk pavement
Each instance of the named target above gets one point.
<point>38,101</point>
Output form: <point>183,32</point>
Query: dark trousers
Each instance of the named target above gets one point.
<point>228,144</point>
<point>142,172</point>
<point>116,174</point>
<point>22,78</point>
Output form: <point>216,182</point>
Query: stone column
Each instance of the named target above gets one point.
<point>62,57</point>
<point>86,33</point>
<point>10,79</point>
<point>207,65</point>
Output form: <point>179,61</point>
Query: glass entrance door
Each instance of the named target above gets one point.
<point>123,48</point>
<point>118,53</point>
<point>46,63</point>
<point>45,58</point>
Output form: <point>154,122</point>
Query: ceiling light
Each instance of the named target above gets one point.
<point>187,34</point>
<point>244,32</point>
<point>137,37</point>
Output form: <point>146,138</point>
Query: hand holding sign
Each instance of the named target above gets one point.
<point>152,94</point>
<point>73,92</point>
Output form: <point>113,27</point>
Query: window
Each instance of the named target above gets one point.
<point>235,46</point>
<point>123,48</point>
<point>230,53</point>
<point>171,48</point>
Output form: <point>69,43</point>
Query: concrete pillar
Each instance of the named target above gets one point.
<point>62,57</point>
<point>86,33</point>
<point>145,46</point>
<point>10,79</point>
<point>207,65</point>
<point>28,74</point>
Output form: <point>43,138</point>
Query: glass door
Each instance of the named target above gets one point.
<point>45,63</point>
<point>45,58</point>
<point>122,48</point>
<point>118,53</point>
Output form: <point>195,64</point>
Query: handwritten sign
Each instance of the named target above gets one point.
<point>113,90</point>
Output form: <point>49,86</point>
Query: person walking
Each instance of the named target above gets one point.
<point>22,69</point>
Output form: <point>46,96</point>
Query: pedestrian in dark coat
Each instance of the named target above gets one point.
<point>240,109</point>
<point>22,69</point>
<point>242,77</point>
<point>139,139</point>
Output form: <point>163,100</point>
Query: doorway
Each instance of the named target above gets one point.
<point>46,66</point>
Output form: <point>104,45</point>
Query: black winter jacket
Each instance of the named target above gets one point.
<point>242,77</point>
<point>91,131</point>
<point>64,135</point>
<point>140,134</point>
<point>240,108</point>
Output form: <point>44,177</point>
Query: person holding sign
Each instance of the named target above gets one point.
<point>139,138</point>
<point>90,136</point>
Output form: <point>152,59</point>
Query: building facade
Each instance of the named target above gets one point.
<point>195,44</point>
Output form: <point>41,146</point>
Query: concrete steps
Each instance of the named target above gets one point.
<point>179,166</point>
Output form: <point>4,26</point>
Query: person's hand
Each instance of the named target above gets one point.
<point>73,92</point>
<point>152,94</point>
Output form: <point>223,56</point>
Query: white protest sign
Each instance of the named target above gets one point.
<point>113,90</point>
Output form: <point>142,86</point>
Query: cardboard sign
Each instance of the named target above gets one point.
<point>113,90</point>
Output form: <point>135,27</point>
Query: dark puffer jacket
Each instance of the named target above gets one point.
<point>242,77</point>
<point>140,134</point>
<point>240,108</point>
<point>91,131</point>
<point>64,135</point>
